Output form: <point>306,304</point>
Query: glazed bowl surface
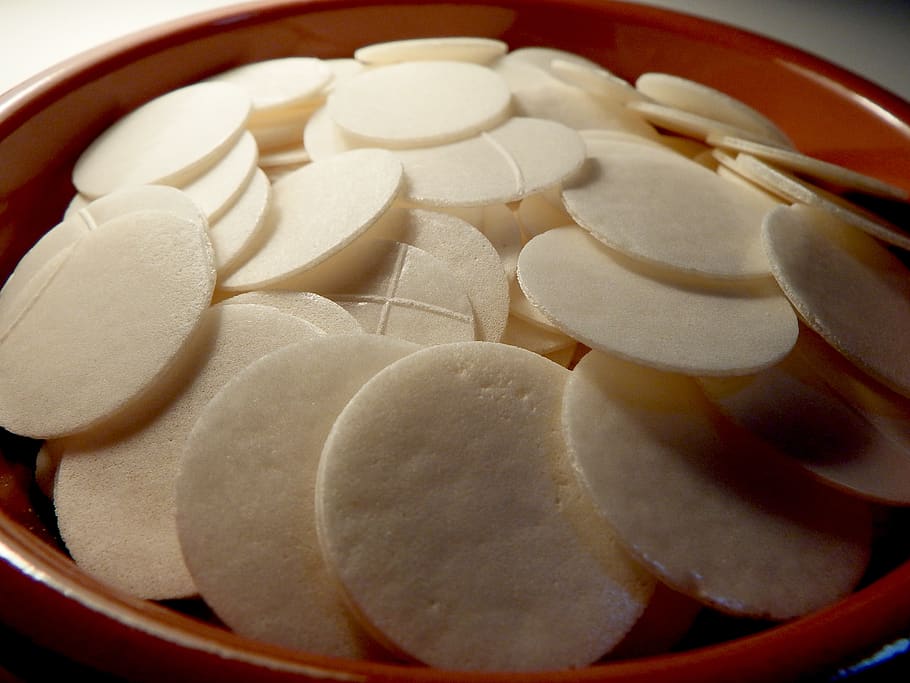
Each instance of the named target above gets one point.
<point>47,121</point>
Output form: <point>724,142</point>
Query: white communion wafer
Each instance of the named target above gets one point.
<point>499,224</point>
<point>519,73</point>
<point>451,48</point>
<point>616,304</point>
<point>246,493</point>
<point>507,163</point>
<point>522,307</point>
<point>279,83</point>
<point>316,211</point>
<point>318,310</point>
<point>795,190</point>
<point>697,126</point>
<point>537,214</point>
<point>419,103</point>
<point>712,510</point>
<point>138,198</point>
<point>576,108</point>
<point>543,57</point>
<point>290,157</point>
<point>402,291</point>
<point>170,139</point>
<point>20,293</point>
<point>322,138</point>
<point>533,337</point>
<point>792,406</point>
<point>115,488</point>
<point>596,81</point>
<point>701,99</point>
<point>810,166</point>
<point>466,252</point>
<point>663,208</point>
<point>110,321</point>
<point>234,234</point>
<point>220,185</point>
<point>887,411</point>
<point>847,287</point>
<point>59,238</point>
<point>512,569</point>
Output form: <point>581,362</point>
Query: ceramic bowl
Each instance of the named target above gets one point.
<point>49,603</point>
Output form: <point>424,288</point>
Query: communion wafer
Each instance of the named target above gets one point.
<point>319,209</point>
<point>454,48</point>
<point>234,234</point>
<point>703,100</point>
<point>543,57</point>
<point>694,125</point>
<point>466,252</point>
<point>793,407</point>
<point>138,198</point>
<point>170,139</point>
<point>519,157</point>
<point>55,241</point>
<point>402,291</point>
<point>786,185</point>
<point>847,287</point>
<point>321,312</point>
<point>495,558</point>
<point>110,321</point>
<point>612,303</point>
<point>114,492</point>
<point>657,206</point>
<point>259,440</point>
<point>279,83</point>
<point>810,166</point>
<point>219,186</point>
<point>419,103</point>
<point>574,107</point>
<point>596,81</point>
<point>709,508</point>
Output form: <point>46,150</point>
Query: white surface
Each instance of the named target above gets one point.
<point>869,37</point>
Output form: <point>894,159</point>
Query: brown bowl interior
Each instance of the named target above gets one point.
<point>46,122</point>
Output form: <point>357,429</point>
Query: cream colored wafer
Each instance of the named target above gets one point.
<point>697,126</point>
<point>234,234</point>
<point>847,287</point>
<point>596,81</point>
<point>662,208</point>
<point>466,252</point>
<point>324,313</point>
<point>279,83</point>
<point>171,139</point>
<point>111,319</point>
<point>317,211</point>
<point>450,48</point>
<point>791,406</point>
<point>512,570</point>
<point>402,291</point>
<point>795,190</point>
<point>246,491</point>
<point>219,186</point>
<point>505,164</point>
<point>698,98</point>
<point>615,304</point>
<point>817,169</point>
<point>114,493</point>
<point>419,103</point>
<point>712,510</point>
<point>574,107</point>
